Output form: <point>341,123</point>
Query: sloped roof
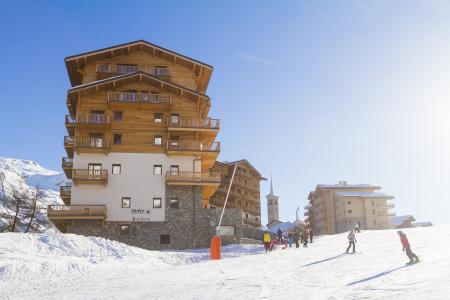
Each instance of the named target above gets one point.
<point>78,61</point>
<point>333,186</point>
<point>242,161</point>
<point>399,220</point>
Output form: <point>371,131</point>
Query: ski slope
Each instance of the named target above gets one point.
<point>56,266</point>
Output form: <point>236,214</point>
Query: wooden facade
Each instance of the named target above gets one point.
<point>139,98</point>
<point>244,193</point>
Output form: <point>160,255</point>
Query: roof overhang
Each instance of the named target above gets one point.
<point>245,162</point>
<point>77,62</point>
<point>113,82</point>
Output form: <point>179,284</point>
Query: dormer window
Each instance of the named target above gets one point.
<point>161,71</point>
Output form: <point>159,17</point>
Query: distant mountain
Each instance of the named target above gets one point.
<point>24,176</point>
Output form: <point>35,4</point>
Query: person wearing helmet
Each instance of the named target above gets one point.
<point>413,258</point>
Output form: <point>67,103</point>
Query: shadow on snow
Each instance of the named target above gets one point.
<point>323,260</point>
<point>376,275</point>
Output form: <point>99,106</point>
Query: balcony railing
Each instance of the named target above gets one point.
<point>99,119</point>
<point>76,212</point>
<point>129,97</point>
<point>126,69</point>
<point>92,143</point>
<point>193,178</point>
<point>68,141</point>
<point>195,146</point>
<point>67,163</point>
<point>204,123</point>
<point>70,120</point>
<point>90,175</point>
<point>65,191</point>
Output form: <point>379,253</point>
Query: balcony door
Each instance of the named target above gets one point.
<point>94,169</point>
<point>97,116</point>
<point>96,140</point>
<point>174,170</point>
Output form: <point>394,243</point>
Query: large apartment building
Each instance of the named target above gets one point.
<point>244,193</point>
<point>140,147</point>
<point>336,208</point>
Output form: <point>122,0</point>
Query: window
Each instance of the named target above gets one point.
<point>125,69</point>
<point>158,140</point>
<point>124,227</point>
<point>117,139</point>
<point>157,170</point>
<point>349,211</point>
<point>118,116</point>
<point>175,140</point>
<point>374,222</point>
<point>373,211</point>
<point>164,239</point>
<point>173,202</point>
<point>126,202</point>
<point>96,140</point>
<point>373,203</point>
<point>161,71</point>
<point>116,169</point>
<point>246,216</point>
<point>94,169</point>
<point>157,202</point>
<point>174,118</point>
<point>174,170</point>
<point>349,202</point>
<point>158,117</point>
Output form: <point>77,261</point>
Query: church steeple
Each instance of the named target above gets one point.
<point>271,186</point>
<point>272,204</point>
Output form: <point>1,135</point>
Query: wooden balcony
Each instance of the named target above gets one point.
<point>193,178</point>
<point>91,121</point>
<point>194,124</point>
<point>108,70</point>
<point>85,176</point>
<point>70,125</point>
<point>69,144</point>
<point>128,100</point>
<point>73,212</point>
<point>65,192</point>
<point>189,147</point>
<point>91,145</point>
<point>67,165</point>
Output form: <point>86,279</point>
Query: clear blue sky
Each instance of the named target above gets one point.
<point>309,91</point>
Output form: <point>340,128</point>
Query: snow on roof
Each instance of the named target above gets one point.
<point>398,220</point>
<point>363,185</point>
<point>364,194</point>
<point>422,224</point>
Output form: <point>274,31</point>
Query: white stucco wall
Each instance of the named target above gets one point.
<point>136,181</point>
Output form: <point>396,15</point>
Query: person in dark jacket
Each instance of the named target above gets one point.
<point>311,234</point>
<point>296,238</point>
<point>351,241</point>
<point>305,238</point>
<point>280,235</point>
<point>413,258</point>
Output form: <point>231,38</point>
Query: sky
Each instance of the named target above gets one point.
<point>309,92</point>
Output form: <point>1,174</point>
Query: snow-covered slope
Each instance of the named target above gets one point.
<point>56,266</point>
<point>25,175</point>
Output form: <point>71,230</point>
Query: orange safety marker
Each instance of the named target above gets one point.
<point>216,245</point>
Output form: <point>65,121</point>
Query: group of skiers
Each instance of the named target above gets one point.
<point>299,236</point>
<point>288,238</point>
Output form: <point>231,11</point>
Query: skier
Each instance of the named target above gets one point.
<point>280,235</point>
<point>285,238</point>
<point>266,241</point>
<point>358,227</point>
<point>305,238</point>
<point>351,241</point>
<point>295,236</point>
<point>290,239</point>
<point>311,234</point>
<point>413,258</point>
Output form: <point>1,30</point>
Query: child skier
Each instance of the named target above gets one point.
<point>266,241</point>
<point>351,241</point>
<point>413,258</point>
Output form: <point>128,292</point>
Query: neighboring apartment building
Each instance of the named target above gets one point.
<point>140,147</point>
<point>245,190</point>
<point>336,208</point>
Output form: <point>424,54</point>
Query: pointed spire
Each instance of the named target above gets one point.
<point>271,185</point>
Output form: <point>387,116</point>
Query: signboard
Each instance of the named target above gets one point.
<point>225,230</point>
<point>141,214</point>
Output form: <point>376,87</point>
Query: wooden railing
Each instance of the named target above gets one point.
<point>100,119</point>
<point>68,141</point>
<point>93,143</point>
<point>69,120</point>
<point>200,177</point>
<point>126,69</point>
<point>76,211</point>
<point>65,191</point>
<point>85,174</point>
<point>67,163</point>
<point>138,97</point>
<point>186,145</point>
<point>207,123</point>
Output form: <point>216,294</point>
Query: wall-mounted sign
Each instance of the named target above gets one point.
<point>141,214</point>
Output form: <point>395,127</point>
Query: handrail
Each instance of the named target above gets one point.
<point>183,145</point>
<point>92,119</point>
<point>65,189</point>
<point>89,174</point>
<point>67,162</point>
<point>126,69</point>
<point>92,143</point>
<point>70,119</point>
<point>195,123</point>
<point>131,97</point>
<point>68,141</point>
<point>193,176</point>
<point>76,210</point>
